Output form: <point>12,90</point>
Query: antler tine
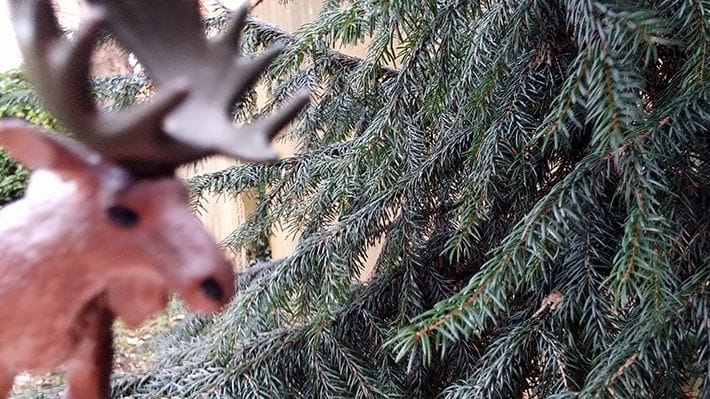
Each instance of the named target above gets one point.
<point>57,67</point>
<point>171,44</point>
<point>232,36</point>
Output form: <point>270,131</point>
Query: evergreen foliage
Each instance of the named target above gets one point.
<point>539,175</point>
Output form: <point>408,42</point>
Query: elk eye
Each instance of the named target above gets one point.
<point>212,290</point>
<point>122,216</point>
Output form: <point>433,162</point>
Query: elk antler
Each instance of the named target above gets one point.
<point>198,82</point>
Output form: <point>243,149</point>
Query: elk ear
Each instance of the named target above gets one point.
<point>37,149</point>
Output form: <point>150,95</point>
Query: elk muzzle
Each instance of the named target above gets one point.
<point>209,292</point>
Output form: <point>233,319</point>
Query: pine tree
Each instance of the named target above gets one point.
<point>539,172</point>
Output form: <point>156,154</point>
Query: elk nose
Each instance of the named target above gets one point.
<point>212,289</point>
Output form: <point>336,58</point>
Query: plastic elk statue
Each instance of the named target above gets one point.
<point>104,230</point>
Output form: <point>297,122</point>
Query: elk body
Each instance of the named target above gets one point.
<point>104,230</point>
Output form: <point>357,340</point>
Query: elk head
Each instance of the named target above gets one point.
<point>100,222</point>
<point>198,81</point>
